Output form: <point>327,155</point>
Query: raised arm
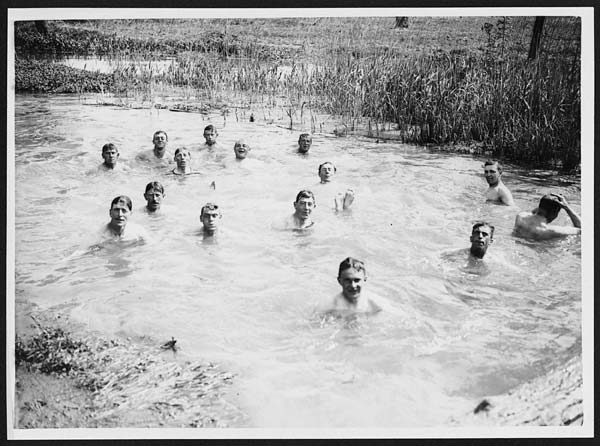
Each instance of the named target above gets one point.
<point>575,219</point>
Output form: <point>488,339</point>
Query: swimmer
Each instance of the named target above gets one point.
<point>241,149</point>
<point>341,201</point>
<point>183,158</point>
<point>160,152</point>
<point>304,143</point>
<point>210,135</point>
<point>304,205</point>
<point>119,226</point>
<point>482,234</point>
<point>497,192</point>
<point>209,217</point>
<point>155,192</point>
<point>535,224</point>
<point>352,277</point>
<point>110,153</point>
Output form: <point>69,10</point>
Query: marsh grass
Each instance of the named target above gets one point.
<point>468,83</point>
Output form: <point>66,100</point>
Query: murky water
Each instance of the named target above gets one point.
<point>247,301</point>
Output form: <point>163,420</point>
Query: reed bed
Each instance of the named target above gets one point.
<point>494,98</point>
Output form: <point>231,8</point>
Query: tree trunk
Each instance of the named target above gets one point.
<point>536,37</point>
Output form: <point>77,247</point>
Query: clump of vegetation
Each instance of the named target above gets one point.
<point>32,76</point>
<point>130,385</point>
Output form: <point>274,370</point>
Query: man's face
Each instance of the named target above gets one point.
<point>160,141</point>
<point>110,156</point>
<point>304,206</point>
<point>326,172</point>
<point>241,150</point>
<point>492,174</point>
<point>210,136</point>
<point>209,219</point>
<point>119,214</point>
<point>182,158</point>
<point>352,282</point>
<point>304,143</point>
<point>154,198</point>
<point>481,238</point>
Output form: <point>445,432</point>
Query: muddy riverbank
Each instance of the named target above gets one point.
<point>68,379</point>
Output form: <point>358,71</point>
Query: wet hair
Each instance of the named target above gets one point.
<point>159,132</point>
<point>305,194</point>
<point>304,134</point>
<point>180,149</point>
<point>209,207</point>
<point>491,163</point>
<point>549,204</point>
<point>156,186</point>
<point>109,146</point>
<point>352,263</point>
<point>327,162</point>
<point>210,128</point>
<point>483,223</point>
<point>123,198</point>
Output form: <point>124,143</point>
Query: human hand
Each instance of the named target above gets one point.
<point>561,200</point>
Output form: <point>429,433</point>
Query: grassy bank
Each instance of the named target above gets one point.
<point>441,81</point>
<point>66,381</point>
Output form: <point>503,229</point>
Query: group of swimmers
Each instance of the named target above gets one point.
<point>352,275</point>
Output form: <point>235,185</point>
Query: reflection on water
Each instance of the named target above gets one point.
<point>247,297</point>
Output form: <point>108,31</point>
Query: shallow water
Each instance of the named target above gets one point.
<point>247,300</point>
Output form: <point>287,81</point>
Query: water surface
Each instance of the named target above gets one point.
<point>247,300</point>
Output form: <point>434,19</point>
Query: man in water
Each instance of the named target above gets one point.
<point>110,154</point>
<point>304,143</point>
<point>536,224</point>
<point>497,192</point>
<point>482,234</point>
<point>241,149</point>
<point>119,227</point>
<point>303,207</point>
<point>210,136</point>
<point>183,158</point>
<point>341,201</point>
<point>159,151</point>
<point>209,217</point>
<point>154,195</point>
<point>352,277</point>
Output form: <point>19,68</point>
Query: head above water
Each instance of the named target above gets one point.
<point>154,194</point>
<point>241,149</point>
<point>492,171</point>
<point>326,171</point>
<point>482,234</point>
<point>351,276</point>
<point>304,142</point>
<point>110,154</point>
<point>209,215</point>
<point>160,139</point>
<point>210,134</point>
<point>549,207</point>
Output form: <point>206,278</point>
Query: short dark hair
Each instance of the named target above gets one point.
<point>352,263</point>
<point>305,194</point>
<point>550,204</point>
<point>491,162</point>
<point>156,186</point>
<point>210,128</point>
<point>304,134</point>
<point>109,146</point>
<point>209,207</point>
<point>180,149</point>
<point>124,198</point>
<point>159,132</point>
<point>483,223</point>
<point>327,162</point>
